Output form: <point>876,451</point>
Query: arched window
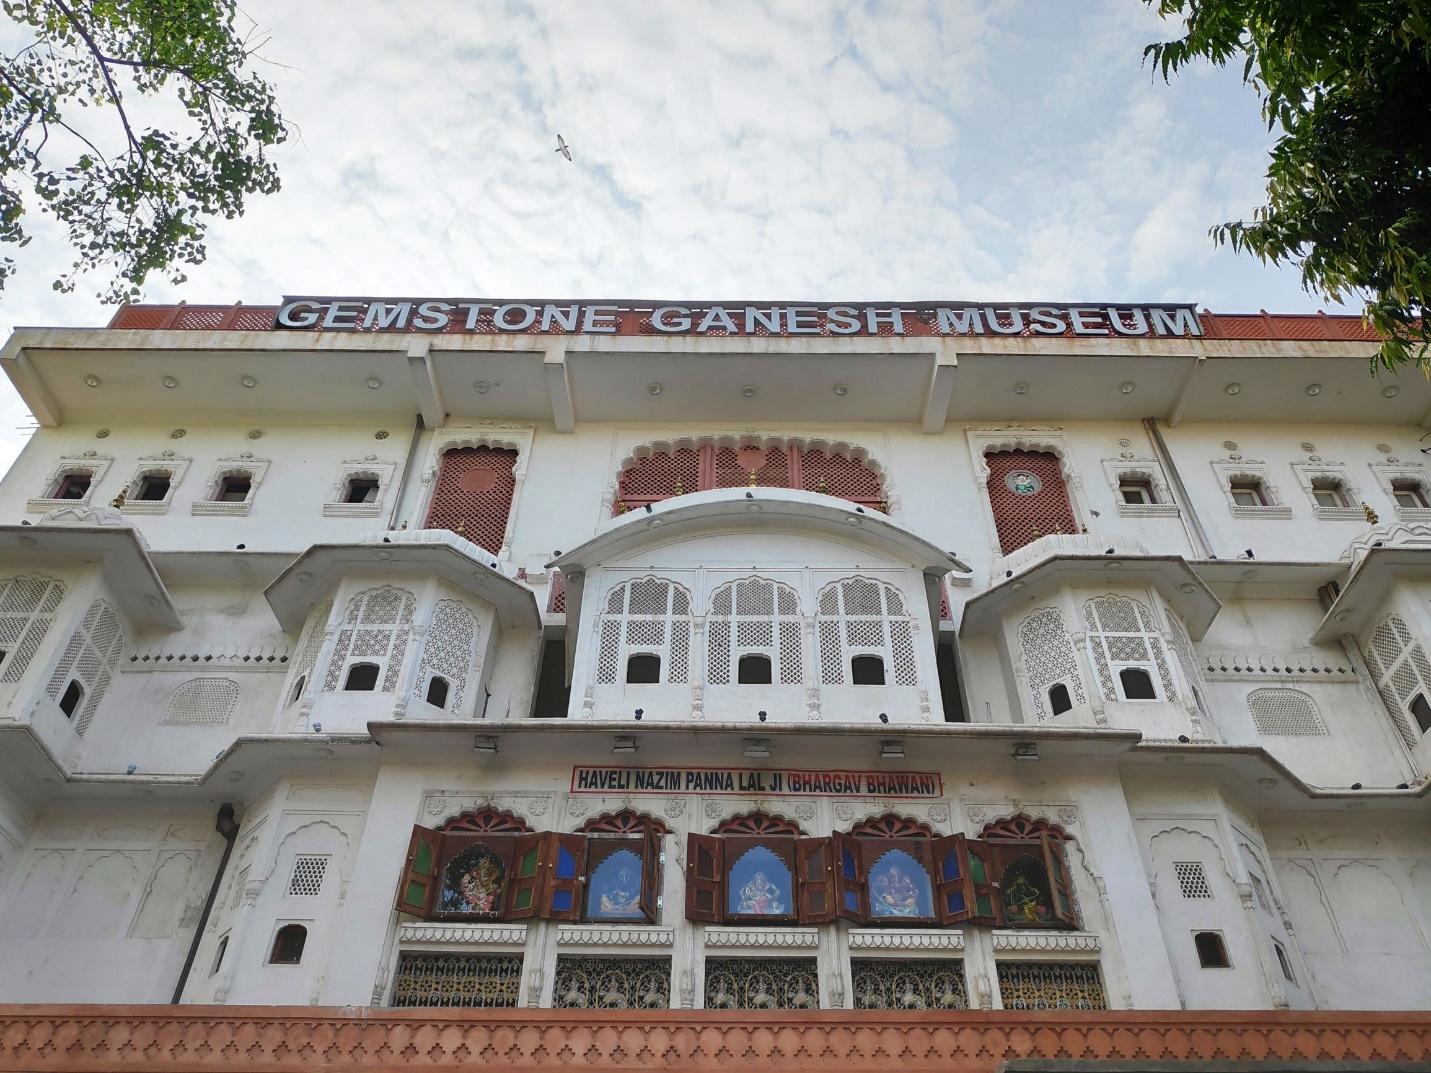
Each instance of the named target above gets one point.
<point>71,698</point>
<point>1123,636</point>
<point>1025,857</point>
<point>753,671</point>
<point>643,669</point>
<point>374,631</point>
<point>362,678</point>
<point>449,655</point>
<point>1285,712</point>
<point>88,663</point>
<point>1028,497</point>
<point>866,670</point>
<point>647,616</point>
<point>1050,663</point>
<point>202,702</point>
<point>1398,663</point>
<point>473,494</point>
<point>1211,951</point>
<point>863,617</point>
<point>438,689</point>
<point>750,871</point>
<point>754,616</point>
<point>27,611</point>
<point>288,945</point>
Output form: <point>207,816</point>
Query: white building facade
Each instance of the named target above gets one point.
<point>555,655</point>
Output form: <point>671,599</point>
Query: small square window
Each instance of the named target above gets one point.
<point>1136,490</point>
<point>361,490</point>
<point>1409,494</point>
<point>1329,492</point>
<point>1248,493</point>
<point>73,486</point>
<point>234,488</point>
<point>152,488</point>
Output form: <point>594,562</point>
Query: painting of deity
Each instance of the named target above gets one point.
<point>614,890</point>
<point>1027,898</point>
<point>899,887</point>
<point>472,882</point>
<point>760,885</point>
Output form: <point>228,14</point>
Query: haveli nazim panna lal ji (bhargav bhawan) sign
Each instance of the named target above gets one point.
<point>497,317</point>
<point>605,779</point>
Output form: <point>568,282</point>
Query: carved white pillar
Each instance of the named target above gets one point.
<point>1271,973</point>
<point>1092,687</point>
<point>319,673</point>
<point>698,660</point>
<point>814,668</point>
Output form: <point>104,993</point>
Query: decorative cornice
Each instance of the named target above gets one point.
<point>474,934</point>
<point>782,938</point>
<point>1046,942</point>
<point>216,1039</point>
<point>613,935</point>
<point>1307,666</point>
<point>254,658</point>
<point>900,939</point>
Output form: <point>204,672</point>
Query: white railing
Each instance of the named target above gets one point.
<point>1047,547</point>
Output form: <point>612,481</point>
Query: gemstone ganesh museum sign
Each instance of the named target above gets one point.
<point>912,319</point>
<point>598,779</point>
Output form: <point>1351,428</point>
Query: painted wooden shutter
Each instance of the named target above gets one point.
<point>705,874</point>
<point>651,875</point>
<point>954,894</point>
<point>564,876</point>
<point>852,896</point>
<point>815,877</point>
<point>417,893</point>
<point>525,877</point>
<point>1059,881</point>
<point>983,875</point>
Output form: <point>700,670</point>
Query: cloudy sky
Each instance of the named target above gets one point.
<point>988,149</point>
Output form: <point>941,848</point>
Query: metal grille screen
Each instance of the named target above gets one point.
<point>908,984</point>
<point>762,984</point>
<point>1051,985</point>
<point>612,983</point>
<point>477,980</point>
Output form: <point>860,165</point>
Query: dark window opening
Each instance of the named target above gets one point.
<point>298,688</point>
<point>219,956</point>
<point>1136,490</point>
<point>362,490</point>
<point>1409,493</point>
<point>753,671</point>
<point>1422,711</point>
<point>70,701</point>
<point>1249,493</point>
<point>73,486</point>
<point>153,487</point>
<point>234,488</point>
<point>362,678</point>
<point>643,669</point>
<point>288,945</point>
<point>437,691</point>
<point>1137,684</point>
<point>947,663</point>
<point>867,671</point>
<point>3,654</point>
<point>1211,953</point>
<point>1058,699</point>
<point>553,694</point>
<point>1283,961</point>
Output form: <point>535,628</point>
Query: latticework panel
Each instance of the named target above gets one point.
<point>648,615</point>
<point>1028,497</point>
<point>473,497</point>
<point>658,476</point>
<point>309,649</point>
<point>766,467</point>
<point>754,616</point>
<point>202,702</point>
<point>861,616</point>
<point>449,650</point>
<point>1399,664</point>
<point>1192,880</point>
<point>1123,633</point>
<point>556,593</point>
<point>27,606</point>
<point>843,476</point>
<point>1049,659</point>
<point>908,984</point>
<point>1285,712</point>
<point>606,983</point>
<point>375,629</point>
<point>306,879</point>
<point>478,980</point>
<point>90,657</point>
<point>762,984</point>
<point>1051,985</point>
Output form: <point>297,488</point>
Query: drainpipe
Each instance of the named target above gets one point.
<point>417,427</point>
<point>1197,535</point>
<point>226,825</point>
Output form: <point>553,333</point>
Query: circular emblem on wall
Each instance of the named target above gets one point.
<point>1023,483</point>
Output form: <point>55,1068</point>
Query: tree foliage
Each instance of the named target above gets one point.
<point>1348,82</point>
<point>134,194</point>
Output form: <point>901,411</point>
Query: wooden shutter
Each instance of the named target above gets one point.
<point>983,876</point>
<point>852,897</point>
<point>417,893</point>
<point>705,874</point>
<point>1056,861</point>
<point>651,874</point>
<point>563,865</point>
<point>815,879</point>
<point>525,877</point>
<point>954,896</point>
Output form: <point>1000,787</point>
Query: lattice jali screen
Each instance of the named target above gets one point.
<point>90,657</point>
<point>306,880</point>
<point>1026,510</point>
<point>473,496</point>
<point>843,476</point>
<point>647,615</point>
<point>736,466</point>
<point>754,616</point>
<point>1285,712</point>
<point>375,629</point>
<point>202,702</point>
<point>1122,633</point>
<point>908,984</point>
<point>309,649</point>
<point>1192,880</point>
<point>659,476</point>
<point>861,616</point>
<point>27,607</point>
<point>762,984</point>
<point>612,983</point>
<point>1399,664</point>
<point>477,980</point>
<point>1049,659</point>
<point>449,651</point>
<point>1051,985</point>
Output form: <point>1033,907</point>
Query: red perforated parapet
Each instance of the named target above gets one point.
<point>1025,509</point>
<point>556,593</point>
<point>474,494</point>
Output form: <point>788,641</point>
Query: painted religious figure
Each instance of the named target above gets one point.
<point>1027,899</point>
<point>760,885</point>
<point>472,882</point>
<point>1023,483</point>
<point>614,890</point>
<point>899,887</point>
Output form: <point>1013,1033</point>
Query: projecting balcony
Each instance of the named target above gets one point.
<point>1057,544</point>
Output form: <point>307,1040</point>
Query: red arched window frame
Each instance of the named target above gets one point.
<point>1023,826</point>
<point>625,822</point>
<point>892,825</point>
<point>758,823</point>
<point>472,495</point>
<point>486,821</point>
<point>1027,507</point>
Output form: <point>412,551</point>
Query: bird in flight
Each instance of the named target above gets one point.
<point>562,147</point>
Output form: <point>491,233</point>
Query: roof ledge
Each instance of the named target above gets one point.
<point>1365,592</point>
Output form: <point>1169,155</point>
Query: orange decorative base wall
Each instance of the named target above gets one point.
<point>230,1038</point>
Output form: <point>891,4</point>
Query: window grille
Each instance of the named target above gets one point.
<point>1051,985</point>
<point>476,980</point>
<point>473,494</point>
<point>1028,497</point>
<point>449,651</point>
<point>756,616</point>
<point>309,649</point>
<point>202,702</point>
<point>307,877</point>
<point>1285,712</point>
<point>1049,659</point>
<point>646,615</point>
<point>908,984</point>
<point>1192,880</point>
<point>859,616</point>
<point>27,611</point>
<point>89,658</point>
<point>375,629</point>
<point>1398,663</point>
<point>762,984</point>
<point>1259,890</point>
<point>585,983</point>
<point>1121,634</point>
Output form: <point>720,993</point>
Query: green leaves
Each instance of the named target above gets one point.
<point>1348,82</point>
<point>135,199</point>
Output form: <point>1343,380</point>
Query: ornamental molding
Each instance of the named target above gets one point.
<point>1046,942</point>
<point>614,935</point>
<point>253,658</point>
<point>467,934</point>
<point>1304,666</point>
<point>890,939</point>
<point>763,938</point>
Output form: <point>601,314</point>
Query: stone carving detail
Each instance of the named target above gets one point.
<point>1047,942</point>
<point>613,935</point>
<point>1068,815</point>
<point>890,939</point>
<point>769,938</point>
<point>675,806</point>
<point>714,809</point>
<point>844,811</point>
<point>939,813</point>
<point>575,807</point>
<point>977,814</point>
<point>804,811</point>
<point>481,934</point>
